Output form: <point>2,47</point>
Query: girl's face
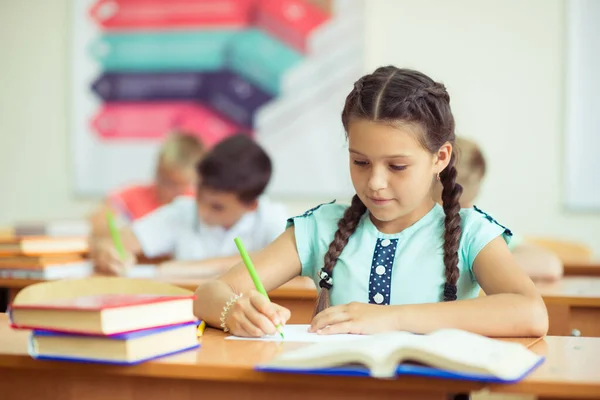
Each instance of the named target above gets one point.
<point>392,173</point>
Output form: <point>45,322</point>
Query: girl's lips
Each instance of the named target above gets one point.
<point>379,202</point>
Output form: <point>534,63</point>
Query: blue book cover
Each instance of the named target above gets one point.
<point>402,370</point>
<point>33,351</point>
<point>118,336</point>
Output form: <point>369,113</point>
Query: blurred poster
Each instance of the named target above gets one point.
<point>277,70</point>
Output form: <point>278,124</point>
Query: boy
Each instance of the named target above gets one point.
<point>231,179</point>
<point>175,176</point>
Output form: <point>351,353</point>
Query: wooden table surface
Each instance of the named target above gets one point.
<point>220,367</point>
<point>571,370</point>
<point>573,302</point>
<point>226,368</point>
<point>573,305</point>
<point>572,290</point>
<point>589,268</point>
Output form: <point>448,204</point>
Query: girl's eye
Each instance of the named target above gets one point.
<point>360,163</point>
<point>398,167</point>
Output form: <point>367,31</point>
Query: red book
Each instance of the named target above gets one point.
<point>104,314</point>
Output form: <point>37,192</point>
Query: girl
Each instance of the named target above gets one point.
<point>394,259</point>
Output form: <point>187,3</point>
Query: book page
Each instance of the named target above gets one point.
<point>371,351</point>
<point>454,350</point>
<point>503,359</point>
<point>299,333</point>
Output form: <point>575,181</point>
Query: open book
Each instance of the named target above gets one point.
<point>447,353</point>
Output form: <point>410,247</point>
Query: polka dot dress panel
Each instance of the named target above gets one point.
<point>380,282</point>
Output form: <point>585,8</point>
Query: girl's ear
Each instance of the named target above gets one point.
<point>442,158</point>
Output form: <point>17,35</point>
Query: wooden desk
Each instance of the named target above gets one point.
<point>569,372</point>
<point>591,268</point>
<point>220,368</point>
<point>225,368</point>
<point>573,304</point>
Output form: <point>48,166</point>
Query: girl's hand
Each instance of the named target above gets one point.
<point>253,315</point>
<point>357,318</point>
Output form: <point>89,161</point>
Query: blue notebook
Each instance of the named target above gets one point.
<point>446,354</point>
<point>158,342</point>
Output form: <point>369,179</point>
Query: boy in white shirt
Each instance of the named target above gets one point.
<point>200,231</point>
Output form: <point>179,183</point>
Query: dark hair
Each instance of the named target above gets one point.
<point>238,165</point>
<point>392,95</point>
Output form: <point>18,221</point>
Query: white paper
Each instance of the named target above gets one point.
<point>142,271</point>
<point>299,333</point>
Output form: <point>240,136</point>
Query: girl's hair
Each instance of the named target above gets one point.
<point>392,95</point>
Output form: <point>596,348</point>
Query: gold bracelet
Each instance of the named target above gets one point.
<point>226,309</point>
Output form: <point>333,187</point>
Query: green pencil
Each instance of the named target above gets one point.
<point>250,267</point>
<point>114,233</point>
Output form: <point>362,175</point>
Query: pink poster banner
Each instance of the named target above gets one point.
<point>171,14</point>
<point>290,21</point>
<point>152,121</point>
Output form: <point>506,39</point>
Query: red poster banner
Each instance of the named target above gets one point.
<point>138,120</point>
<point>290,21</point>
<point>171,14</point>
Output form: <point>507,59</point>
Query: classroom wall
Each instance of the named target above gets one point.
<point>502,61</point>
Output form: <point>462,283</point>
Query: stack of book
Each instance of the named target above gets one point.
<point>44,257</point>
<point>108,328</point>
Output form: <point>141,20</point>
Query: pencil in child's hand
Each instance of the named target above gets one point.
<point>254,275</point>
<point>114,233</point>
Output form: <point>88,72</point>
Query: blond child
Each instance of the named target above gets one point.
<point>174,176</point>
<point>537,262</point>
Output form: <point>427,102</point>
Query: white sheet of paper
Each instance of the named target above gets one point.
<point>299,333</point>
<point>142,271</point>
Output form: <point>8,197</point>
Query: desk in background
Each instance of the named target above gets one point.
<point>591,268</point>
<point>573,302</point>
<point>573,305</point>
<point>299,294</point>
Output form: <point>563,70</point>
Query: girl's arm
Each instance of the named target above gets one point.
<point>512,306</point>
<point>276,264</point>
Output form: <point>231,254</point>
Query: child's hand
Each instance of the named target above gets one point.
<point>108,261</point>
<point>253,315</point>
<point>357,318</point>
